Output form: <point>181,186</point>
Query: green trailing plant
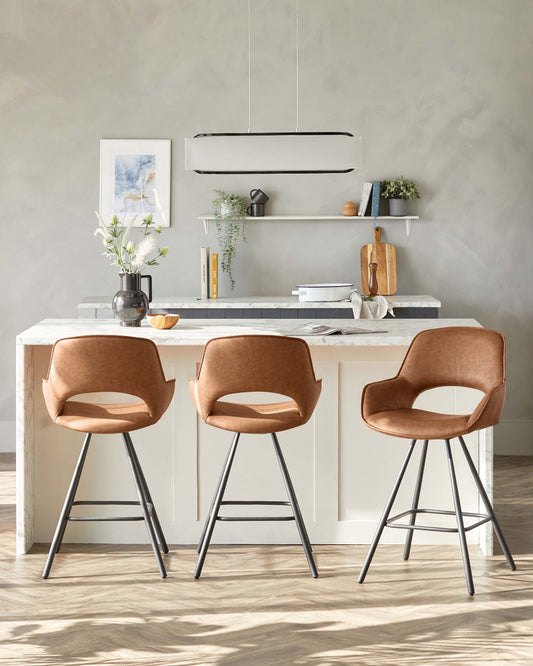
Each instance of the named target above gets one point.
<point>229,211</point>
<point>399,188</point>
<point>131,255</point>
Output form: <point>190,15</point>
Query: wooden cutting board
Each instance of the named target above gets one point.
<point>384,255</point>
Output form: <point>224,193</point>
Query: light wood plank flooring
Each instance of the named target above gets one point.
<point>259,605</point>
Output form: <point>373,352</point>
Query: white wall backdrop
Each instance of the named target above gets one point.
<point>440,91</point>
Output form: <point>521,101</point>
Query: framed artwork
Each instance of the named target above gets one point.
<point>135,180</point>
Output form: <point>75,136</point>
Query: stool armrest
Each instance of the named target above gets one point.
<point>203,407</point>
<point>306,404</point>
<point>395,393</point>
<point>158,405</point>
<point>489,409</point>
<point>54,403</point>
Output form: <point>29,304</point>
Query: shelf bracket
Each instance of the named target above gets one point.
<point>408,226</point>
<point>206,227</point>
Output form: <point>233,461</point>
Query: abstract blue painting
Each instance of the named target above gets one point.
<point>135,180</point>
<point>135,184</point>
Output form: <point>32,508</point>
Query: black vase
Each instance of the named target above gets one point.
<point>130,303</point>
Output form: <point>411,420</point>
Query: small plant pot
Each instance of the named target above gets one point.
<point>229,212</point>
<point>398,207</point>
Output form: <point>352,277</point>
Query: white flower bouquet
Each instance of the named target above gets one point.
<point>130,255</point>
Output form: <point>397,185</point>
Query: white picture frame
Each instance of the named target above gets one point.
<point>135,180</point>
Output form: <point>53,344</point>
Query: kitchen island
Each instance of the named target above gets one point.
<point>342,471</point>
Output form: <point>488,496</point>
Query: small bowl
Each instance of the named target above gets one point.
<point>162,321</point>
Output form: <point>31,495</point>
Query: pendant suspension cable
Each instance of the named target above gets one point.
<point>297,61</point>
<point>249,66</point>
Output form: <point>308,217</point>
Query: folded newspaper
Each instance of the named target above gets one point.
<point>322,329</point>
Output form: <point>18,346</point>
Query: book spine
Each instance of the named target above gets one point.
<point>376,193</point>
<point>365,196</point>
<point>214,275</point>
<point>204,272</point>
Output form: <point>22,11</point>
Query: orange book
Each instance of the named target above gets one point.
<point>214,276</point>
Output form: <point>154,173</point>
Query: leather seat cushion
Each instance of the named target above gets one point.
<point>418,424</point>
<point>98,418</point>
<point>257,419</point>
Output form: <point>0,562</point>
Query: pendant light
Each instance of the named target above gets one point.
<point>273,152</point>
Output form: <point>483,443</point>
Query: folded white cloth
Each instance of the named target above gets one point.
<point>375,309</point>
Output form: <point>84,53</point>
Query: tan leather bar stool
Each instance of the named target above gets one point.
<point>455,356</point>
<point>248,363</point>
<point>107,363</point>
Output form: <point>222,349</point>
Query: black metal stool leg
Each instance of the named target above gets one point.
<point>278,447</point>
<point>416,497</point>
<point>488,506</point>
<point>295,508</point>
<point>67,506</point>
<point>144,506</point>
<point>148,497</point>
<point>216,505</point>
<point>460,522</point>
<point>202,538</point>
<point>65,522</point>
<point>384,517</point>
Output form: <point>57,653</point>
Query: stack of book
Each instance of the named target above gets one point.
<point>373,189</point>
<point>208,274</point>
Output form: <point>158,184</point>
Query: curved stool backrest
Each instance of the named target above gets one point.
<point>106,363</point>
<point>460,356</point>
<point>247,363</point>
<point>456,356</point>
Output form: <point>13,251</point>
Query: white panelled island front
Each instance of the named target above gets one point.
<point>342,471</point>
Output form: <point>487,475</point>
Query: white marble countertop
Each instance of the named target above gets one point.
<point>259,302</point>
<point>392,332</point>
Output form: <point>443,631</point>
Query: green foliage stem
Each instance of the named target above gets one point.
<point>229,211</point>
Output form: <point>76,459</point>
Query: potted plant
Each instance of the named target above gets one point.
<point>230,211</point>
<point>399,191</point>
<point>132,256</point>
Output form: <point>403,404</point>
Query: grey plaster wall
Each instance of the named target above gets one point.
<point>440,91</point>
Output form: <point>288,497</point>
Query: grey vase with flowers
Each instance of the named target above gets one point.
<point>132,252</point>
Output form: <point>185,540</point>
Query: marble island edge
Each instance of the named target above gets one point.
<point>390,332</point>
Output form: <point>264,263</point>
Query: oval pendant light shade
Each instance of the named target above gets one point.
<point>273,152</point>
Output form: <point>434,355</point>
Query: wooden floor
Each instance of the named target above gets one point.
<point>258,605</point>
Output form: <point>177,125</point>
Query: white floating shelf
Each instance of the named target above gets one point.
<point>348,218</point>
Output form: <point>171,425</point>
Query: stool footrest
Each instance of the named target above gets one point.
<point>254,503</point>
<point>88,519</point>
<point>429,528</point>
<point>251,518</point>
<point>106,503</point>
